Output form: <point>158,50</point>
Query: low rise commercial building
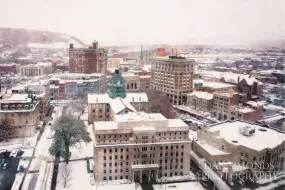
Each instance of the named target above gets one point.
<point>238,146</point>
<point>200,101</point>
<point>233,105</point>
<point>37,69</point>
<point>212,87</point>
<point>114,62</point>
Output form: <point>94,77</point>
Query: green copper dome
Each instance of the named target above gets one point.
<point>116,86</point>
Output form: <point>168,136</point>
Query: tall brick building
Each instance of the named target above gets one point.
<point>173,76</point>
<point>87,60</point>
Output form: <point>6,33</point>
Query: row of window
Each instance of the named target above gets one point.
<point>115,164</point>
<point>170,167</point>
<point>115,178</point>
<point>117,149</point>
<point>171,147</point>
<point>116,157</point>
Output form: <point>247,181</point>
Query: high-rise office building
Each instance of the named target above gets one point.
<point>173,76</point>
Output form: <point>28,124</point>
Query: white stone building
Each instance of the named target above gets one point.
<point>140,146</point>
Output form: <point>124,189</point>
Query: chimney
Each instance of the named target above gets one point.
<point>95,45</point>
<point>238,80</point>
<point>70,46</point>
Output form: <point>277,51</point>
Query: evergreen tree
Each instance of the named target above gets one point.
<point>68,132</point>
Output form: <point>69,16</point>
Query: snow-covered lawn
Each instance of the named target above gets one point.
<point>179,186</point>
<point>28,152</point>
<point>18,143</point>
<point>79,178</point>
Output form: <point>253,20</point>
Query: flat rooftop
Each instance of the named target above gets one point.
<point>211,149</point>
<point>217,85</point>
<point>9,98</point>
<point>139,116</point>
<point>230,131</point>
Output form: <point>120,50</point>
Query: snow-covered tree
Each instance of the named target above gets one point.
<point>6,129</point>
<point>68,132</point>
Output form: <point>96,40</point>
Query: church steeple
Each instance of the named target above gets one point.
<point>141,55</point>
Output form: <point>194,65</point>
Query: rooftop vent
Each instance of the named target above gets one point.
<point>261,129</point>
<point>247,130</point>
<point>234,141</point>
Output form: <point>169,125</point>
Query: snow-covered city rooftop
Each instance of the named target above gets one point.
<point>260,140</point>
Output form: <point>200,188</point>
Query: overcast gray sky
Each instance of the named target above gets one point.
<point>114,22</point>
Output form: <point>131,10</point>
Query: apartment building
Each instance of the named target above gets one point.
<point>173,76</point>
<point>23,112</point>
<point>139,146</point>
<point>87,60</point>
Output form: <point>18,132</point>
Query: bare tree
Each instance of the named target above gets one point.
<point>65,174</point>
<point>6,129</point>
<point>79,104</point>
<point>159,103</point>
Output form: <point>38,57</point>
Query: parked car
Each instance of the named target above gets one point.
<point>4,166</point>
<point>13,153</point>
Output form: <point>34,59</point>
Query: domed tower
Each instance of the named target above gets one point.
<point>116,86</point>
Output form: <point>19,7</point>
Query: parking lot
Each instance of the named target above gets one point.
<point>7,175</point>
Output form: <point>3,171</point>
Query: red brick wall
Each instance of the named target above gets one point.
<point>8,68</point>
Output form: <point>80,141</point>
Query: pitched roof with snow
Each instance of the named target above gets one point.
<point>233,78</point>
